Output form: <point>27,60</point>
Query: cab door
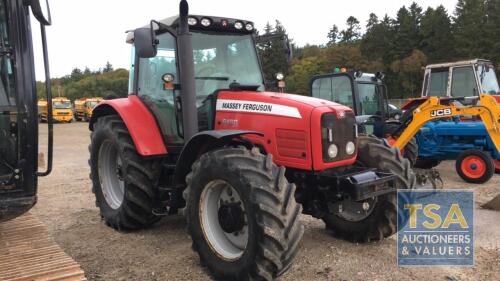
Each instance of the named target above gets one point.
<point>18,111</point>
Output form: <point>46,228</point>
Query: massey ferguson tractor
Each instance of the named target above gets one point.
<point>199,133</point>
<point>18,106</point>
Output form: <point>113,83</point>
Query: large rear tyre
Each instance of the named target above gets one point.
<point>123,181</point>
<point>410,151</point>
<point>475,166</point>
<point>380,218</point>
<point>242,215</point>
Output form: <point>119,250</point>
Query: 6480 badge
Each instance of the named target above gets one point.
<point>436,228</point>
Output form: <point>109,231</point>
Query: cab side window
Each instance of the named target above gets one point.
<point>7,83</point>
<point>151,90</point>
<point>337,89</point>
<point>438,85</point>
<point>463,82</point>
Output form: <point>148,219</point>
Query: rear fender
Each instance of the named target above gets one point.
<point>201,143</point>
<point>140,123</point>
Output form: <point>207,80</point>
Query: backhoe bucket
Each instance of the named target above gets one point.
<point>493,204</point>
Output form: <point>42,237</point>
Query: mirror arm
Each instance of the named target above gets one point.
<point>165,27</point>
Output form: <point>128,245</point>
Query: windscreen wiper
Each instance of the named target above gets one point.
<point>212,78</point>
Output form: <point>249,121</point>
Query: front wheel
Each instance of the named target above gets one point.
<point>242,215</point>
<point>475,166</point>
<point>375,218</point>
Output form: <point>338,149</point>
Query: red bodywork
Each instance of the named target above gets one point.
<point>413,102</point>
<point>292,135</point>
<point>140,123</point>
<point>294,142</point>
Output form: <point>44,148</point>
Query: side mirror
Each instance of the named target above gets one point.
<point>41,11</point>
<point>145,42</point>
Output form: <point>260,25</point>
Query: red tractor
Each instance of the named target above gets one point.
<point>198,133</point>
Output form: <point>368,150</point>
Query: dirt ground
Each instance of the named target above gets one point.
<point>163,252</point>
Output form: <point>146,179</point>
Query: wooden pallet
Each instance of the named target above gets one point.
<point>27,252</point>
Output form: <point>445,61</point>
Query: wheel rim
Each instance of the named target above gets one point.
<point>473,167</point>
<point>224,227</point>
<point>110,174</point>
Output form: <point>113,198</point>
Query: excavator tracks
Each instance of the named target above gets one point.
<point>27,252</point>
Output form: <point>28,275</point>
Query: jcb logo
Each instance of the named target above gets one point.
<point>441,112</point>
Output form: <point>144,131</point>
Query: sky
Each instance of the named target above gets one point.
<point>89,33</point>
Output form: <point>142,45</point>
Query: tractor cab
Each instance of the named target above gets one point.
<point>460,79</point>
<point>224,56</point>
<point>365,93</point>
<point>18,106</point>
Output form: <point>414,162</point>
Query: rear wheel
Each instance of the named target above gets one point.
<point>242,215</point>
<point>123,181</point>
<point>410,151</point>
<point>475,166</point>
<point>376,218</point>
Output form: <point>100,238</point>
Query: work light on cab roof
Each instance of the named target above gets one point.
<point>217,23</point>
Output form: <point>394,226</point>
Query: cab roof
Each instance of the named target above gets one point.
<point>459,63</point>
<point>216,25</point>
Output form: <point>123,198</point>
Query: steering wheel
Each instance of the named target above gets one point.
<point>206,70</point>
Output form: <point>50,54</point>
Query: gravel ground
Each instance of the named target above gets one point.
<point>163,252</point>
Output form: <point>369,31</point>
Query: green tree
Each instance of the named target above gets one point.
<point>273,55</point>
<point>353,31</point>
<point>409,73</point>
<point>333,35</point>
<point>469,29</point>
<point>437,39</point>
<point>300,73</point>
<point>377,43</point>
<point>492,31</point>
<point>108,67</point>
<point>407,34</point>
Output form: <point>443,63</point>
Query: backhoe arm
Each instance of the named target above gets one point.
<point>432,108</point>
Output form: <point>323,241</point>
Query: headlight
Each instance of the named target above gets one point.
<point>249,27</point>
<point>192,21</point>
<point>333,151</point>
<point>350,147</point>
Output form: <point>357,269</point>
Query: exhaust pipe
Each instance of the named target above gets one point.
<point>186,68</point>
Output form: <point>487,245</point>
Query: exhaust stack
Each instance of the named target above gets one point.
<point>186,66</point>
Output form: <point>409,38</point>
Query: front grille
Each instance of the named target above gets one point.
<point>343,131</point>
<point>63,113</point>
